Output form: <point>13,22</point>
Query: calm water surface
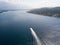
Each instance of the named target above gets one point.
<point>14,28</point>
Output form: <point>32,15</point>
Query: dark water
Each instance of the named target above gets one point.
<point>14,28</point>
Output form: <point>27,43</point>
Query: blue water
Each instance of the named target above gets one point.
<point>14,28</point>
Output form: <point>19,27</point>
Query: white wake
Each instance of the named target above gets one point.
<point>36,37</point>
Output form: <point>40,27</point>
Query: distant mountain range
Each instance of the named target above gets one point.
<point>5,6</point>
<point>54,12</point>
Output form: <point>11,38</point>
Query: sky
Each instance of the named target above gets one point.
<point>35,3</point>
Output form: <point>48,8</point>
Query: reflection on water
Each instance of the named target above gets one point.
<point>14,28</point>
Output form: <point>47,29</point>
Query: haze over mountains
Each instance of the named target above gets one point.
<point>54,12</point>
<point>7,5</point>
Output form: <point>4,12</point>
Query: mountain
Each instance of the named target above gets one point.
<point>54,12</point>
<point>6,6</point>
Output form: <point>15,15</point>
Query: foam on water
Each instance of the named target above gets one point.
<point>36,37</point>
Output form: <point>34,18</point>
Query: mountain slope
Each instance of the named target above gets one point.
<point>54,12</point>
